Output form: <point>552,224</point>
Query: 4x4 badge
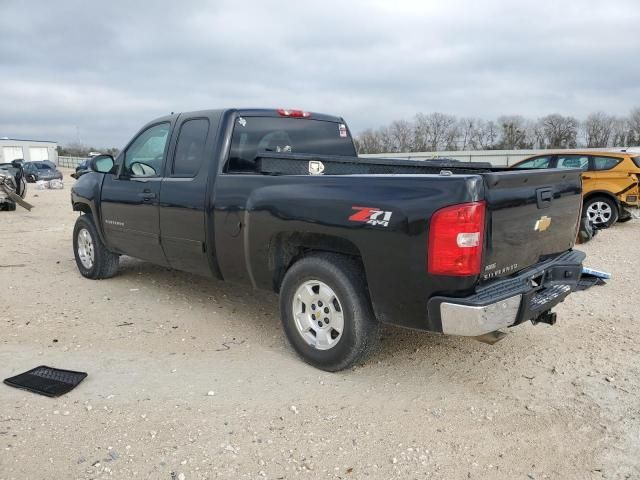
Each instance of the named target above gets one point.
<point>542,223</point>
<point>372,216</point>
<point>316,167</point>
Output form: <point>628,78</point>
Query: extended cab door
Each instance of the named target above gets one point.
<point>184,196</point>
<point>129,203</point>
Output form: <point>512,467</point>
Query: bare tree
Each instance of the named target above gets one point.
<point>386,139</point>
<point>369,142</point>
<point>76,149</point>
<point>401,133</point>
<point>598,128</point>
<point>560,131</point>
<point>620,132</point>
<point>485,135</point>
<point>633,135</point>
<point>513,132</point>
<point>439,131</point>
<point>421,133</point>
<point>466,131</point>
<point>434,131</point>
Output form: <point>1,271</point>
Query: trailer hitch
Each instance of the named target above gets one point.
<point>547,317</point>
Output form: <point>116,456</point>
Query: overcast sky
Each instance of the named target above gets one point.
<point>74,71</point>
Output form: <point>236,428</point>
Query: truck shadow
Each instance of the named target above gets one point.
<point>253,310</point>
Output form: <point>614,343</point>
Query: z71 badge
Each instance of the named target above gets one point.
<point>372,216</point>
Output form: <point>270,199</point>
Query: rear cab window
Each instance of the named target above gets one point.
<point>253,136</point>
<point>190,152</point>
<point>636,160</point>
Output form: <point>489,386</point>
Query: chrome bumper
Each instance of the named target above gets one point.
<point>472,321</point>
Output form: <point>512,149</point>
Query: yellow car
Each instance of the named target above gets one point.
<point>610,182</point>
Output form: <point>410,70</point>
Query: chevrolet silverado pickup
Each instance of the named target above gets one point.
<point>279,200</point>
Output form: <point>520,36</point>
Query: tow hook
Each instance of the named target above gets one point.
<point>547,317</point>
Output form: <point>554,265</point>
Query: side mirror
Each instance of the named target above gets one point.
<point>17,163</point>
<point>102,163</point>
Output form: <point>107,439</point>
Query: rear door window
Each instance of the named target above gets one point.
<point>605,163</point>
<point>538,162</point>
<point>190,151</point>
<point>255,135</point>
<point>573,161</point>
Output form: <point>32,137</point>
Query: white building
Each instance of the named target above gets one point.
<point>28,150</point>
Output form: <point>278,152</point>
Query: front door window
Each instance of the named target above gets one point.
<point>144,156</point>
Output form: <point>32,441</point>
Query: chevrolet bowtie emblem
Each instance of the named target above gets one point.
<point>542,223</point>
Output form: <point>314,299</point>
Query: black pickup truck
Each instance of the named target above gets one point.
<point>279,200</point>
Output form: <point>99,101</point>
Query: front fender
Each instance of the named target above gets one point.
<point>85,197</point>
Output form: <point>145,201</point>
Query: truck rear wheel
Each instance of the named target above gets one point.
<point>92,258</point>
<point>326,313</point>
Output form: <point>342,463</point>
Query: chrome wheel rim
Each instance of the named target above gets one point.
<point>318,315</point>
<point>85,248</point>
<point>599,212</point>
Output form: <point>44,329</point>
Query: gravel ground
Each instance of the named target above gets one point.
<point>191,378</point>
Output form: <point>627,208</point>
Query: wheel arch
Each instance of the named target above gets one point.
<point>82,207</point>
<point>602,193</point>
<point>86,209</point>
<point>286,248</point>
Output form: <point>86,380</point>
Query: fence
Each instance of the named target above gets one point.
<point>70,162</point>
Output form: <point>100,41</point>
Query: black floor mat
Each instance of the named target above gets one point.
<point>588,281</point>
<point>48,381</point>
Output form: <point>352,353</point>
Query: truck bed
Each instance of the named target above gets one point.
<point>520,202</point>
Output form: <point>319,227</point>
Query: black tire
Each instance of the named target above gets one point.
<point>360,330</point>
<point>105,263</point>
<point>597,220</point>
<point>625,216</point>
<point>8,206</point>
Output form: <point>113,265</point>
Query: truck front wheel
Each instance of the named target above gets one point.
<point>326,313</point>
<point>92,257</point>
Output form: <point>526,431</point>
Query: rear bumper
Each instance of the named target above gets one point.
<point>505,303</point>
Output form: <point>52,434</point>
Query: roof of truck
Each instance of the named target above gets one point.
<point>258,112</point>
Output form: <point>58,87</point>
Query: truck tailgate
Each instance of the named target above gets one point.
<point>532,214</point>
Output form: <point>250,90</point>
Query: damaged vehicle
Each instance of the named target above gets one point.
<point>13,186</point>
<point>43,170</point>
<point>610,181</point>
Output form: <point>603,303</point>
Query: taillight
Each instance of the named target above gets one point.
<point>456,237</point>
<point>286,112</point>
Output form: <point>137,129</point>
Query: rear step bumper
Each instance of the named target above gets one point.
<point>505,303</point>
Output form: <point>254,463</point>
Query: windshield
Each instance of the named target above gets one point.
<point>42,166</point>
<point>253,135</point>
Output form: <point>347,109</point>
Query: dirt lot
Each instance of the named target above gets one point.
<point>546,402</point>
